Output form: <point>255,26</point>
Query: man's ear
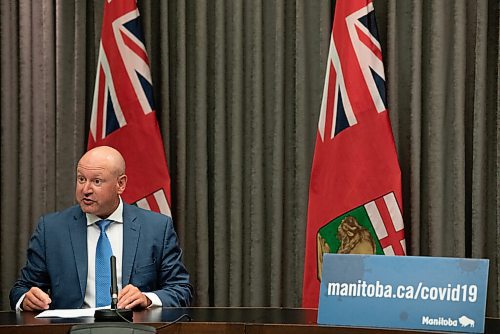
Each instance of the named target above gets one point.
<point>122,183</point>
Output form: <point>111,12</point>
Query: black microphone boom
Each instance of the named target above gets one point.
<point>114,285</point>
<point>113,314</point>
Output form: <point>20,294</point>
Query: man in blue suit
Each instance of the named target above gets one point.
<point>60,271</point>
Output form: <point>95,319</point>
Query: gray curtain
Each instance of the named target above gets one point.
<point>238,88</point>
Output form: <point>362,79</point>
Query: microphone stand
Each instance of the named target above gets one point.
<point>113,314</point>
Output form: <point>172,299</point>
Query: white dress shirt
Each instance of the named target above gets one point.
<point>115,236</point>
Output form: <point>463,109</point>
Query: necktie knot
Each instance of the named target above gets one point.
<point>103,224</point>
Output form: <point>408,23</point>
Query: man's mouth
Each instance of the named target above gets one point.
<point>87,201</point>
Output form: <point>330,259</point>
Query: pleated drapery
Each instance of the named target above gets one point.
<point>238,87</point>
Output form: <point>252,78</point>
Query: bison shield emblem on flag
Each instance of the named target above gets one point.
<point>373,228</point>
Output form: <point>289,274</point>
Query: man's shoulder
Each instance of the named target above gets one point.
<point>63,215</point>
<point>144,215</point>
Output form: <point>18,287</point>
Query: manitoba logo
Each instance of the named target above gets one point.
<point>464,321</point>
<point>373,228</point>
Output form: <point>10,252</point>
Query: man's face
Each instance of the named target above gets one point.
<point>98,187</point>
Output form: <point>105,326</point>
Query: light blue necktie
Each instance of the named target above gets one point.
<point>103,252</point>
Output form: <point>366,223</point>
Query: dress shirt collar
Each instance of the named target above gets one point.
<point>116,216</point>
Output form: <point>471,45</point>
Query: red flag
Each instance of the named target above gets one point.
<point>123,114</point>
<point>355,191</point>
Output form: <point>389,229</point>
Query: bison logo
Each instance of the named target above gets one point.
<point>465,322</point>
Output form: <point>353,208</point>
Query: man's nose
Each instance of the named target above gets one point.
<point>87,187</point>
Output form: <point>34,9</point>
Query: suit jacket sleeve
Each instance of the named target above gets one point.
<point>174,287</point>
<point>34,273</point>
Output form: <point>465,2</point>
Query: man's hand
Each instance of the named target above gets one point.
<point>35,300</point>
<point>131,297</point>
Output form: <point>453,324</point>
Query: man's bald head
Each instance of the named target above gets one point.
<point>105,156</point>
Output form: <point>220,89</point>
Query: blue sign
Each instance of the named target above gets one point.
<point>411,292</point>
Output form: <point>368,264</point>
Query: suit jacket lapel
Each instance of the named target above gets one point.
<point>78,235</point>
<point>131,229</point>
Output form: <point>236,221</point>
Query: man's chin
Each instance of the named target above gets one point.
<point>88,208</point>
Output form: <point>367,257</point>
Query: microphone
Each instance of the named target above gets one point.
<point>114,285</point>
<point>113,314</point>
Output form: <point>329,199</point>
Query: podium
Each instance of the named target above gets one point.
<point>229,320</point>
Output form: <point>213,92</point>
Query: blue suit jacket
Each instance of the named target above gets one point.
<point>57,258</point>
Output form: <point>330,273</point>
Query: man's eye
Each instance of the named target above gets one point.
<point>81,179</point>
<point>97,182</point>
